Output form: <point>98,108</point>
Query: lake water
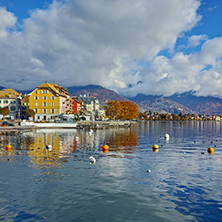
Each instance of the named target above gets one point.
<point>131,182</point>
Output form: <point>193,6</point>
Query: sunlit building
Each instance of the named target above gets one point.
<point>11,100</point>
<point>47,102</point>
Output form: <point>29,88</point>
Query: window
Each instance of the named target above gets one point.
<point>36,110</point>
<point>44,97</point>
<point>36,103</point>
<point>5,101</point>
<point>0,101</point>
<point>52,104</point>
<point>36,97</point>
<point>36,92</point>
<point>52,97</point>
<point>52,111</point>
<point>13,102</point>
<point>45,91</point>
<point>44,104</point>
<point>12,108</point>
<point>44,111</point>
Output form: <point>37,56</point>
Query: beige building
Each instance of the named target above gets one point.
<point>11,100</point>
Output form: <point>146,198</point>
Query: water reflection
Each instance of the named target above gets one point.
<point>184,182</point>
<point>66,143</point>
<point>122,141</point>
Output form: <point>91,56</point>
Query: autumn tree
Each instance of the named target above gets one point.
<point>121,110</point>
<point>4,111</point>
<point>30,112</point>
<point>111,109</point>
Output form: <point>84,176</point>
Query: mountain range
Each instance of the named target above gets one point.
<point>185,103</point>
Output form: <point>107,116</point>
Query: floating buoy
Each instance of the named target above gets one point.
<point>149,171</point>
<point>167,136</point>
<point>155,150</point>
<point>49,147</point>
<point>210,150</point>
<point>105,147</point>
<point>155,146</point>
<point>8,147</point>
<point>92,160</point>
<point>76,138</point>
<point>105,150</point>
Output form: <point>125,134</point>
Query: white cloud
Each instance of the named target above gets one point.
<point>195,40</point>
<point>7,20</point>
<point>183,73</point>
<point>111,43</point>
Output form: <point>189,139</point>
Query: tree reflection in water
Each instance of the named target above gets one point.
<point>124,141</point>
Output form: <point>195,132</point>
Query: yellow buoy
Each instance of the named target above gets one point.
<point>155,146</point>
<point>155,150</point>
<point>210,150</point>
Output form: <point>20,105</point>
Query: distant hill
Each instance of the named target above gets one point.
<point>1,87</point>
<point>159,104</point>
<point>200,104</point>
<point>100,92</point>
<point>186,102</point>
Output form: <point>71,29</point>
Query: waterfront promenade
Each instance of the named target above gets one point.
<point>29,126</point>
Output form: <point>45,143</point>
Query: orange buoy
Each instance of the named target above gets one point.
<point>105,151</point>
<point>155,146</point>
<point>210,150</point>
<point>8,147</point>
<point>105,147</point>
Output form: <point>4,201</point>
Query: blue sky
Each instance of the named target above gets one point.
<point>155,47</point>
<point>22,8</point>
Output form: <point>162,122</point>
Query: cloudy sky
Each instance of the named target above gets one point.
<point>131,46</point>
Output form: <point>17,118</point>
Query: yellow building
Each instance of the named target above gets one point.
<point>46,101</point>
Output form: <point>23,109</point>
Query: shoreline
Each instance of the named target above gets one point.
<point>81,125</point>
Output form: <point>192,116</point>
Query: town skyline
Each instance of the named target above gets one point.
<point>131,47</point>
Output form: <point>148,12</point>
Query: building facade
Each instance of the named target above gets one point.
<point>46,101</point>
<point>11,100</point>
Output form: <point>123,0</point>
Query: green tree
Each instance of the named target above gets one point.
<point>4,112</point>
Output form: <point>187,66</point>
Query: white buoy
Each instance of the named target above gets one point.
<point>167,136</point>
<point>149,171</point>
<point>49,147</point>
<point>92,160</point>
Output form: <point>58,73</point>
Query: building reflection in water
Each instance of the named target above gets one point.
<point>65,143</point>
<point>40,155</point>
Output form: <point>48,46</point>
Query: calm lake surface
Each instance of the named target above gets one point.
<point>185,182</point>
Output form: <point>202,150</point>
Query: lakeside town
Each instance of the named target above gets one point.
<point>52,103</point>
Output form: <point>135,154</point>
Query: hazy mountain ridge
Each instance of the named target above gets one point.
<point>159,104</point>
<point>186,102</point>
<point>98,91</point>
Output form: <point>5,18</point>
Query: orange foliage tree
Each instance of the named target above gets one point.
<point>121,110</point>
